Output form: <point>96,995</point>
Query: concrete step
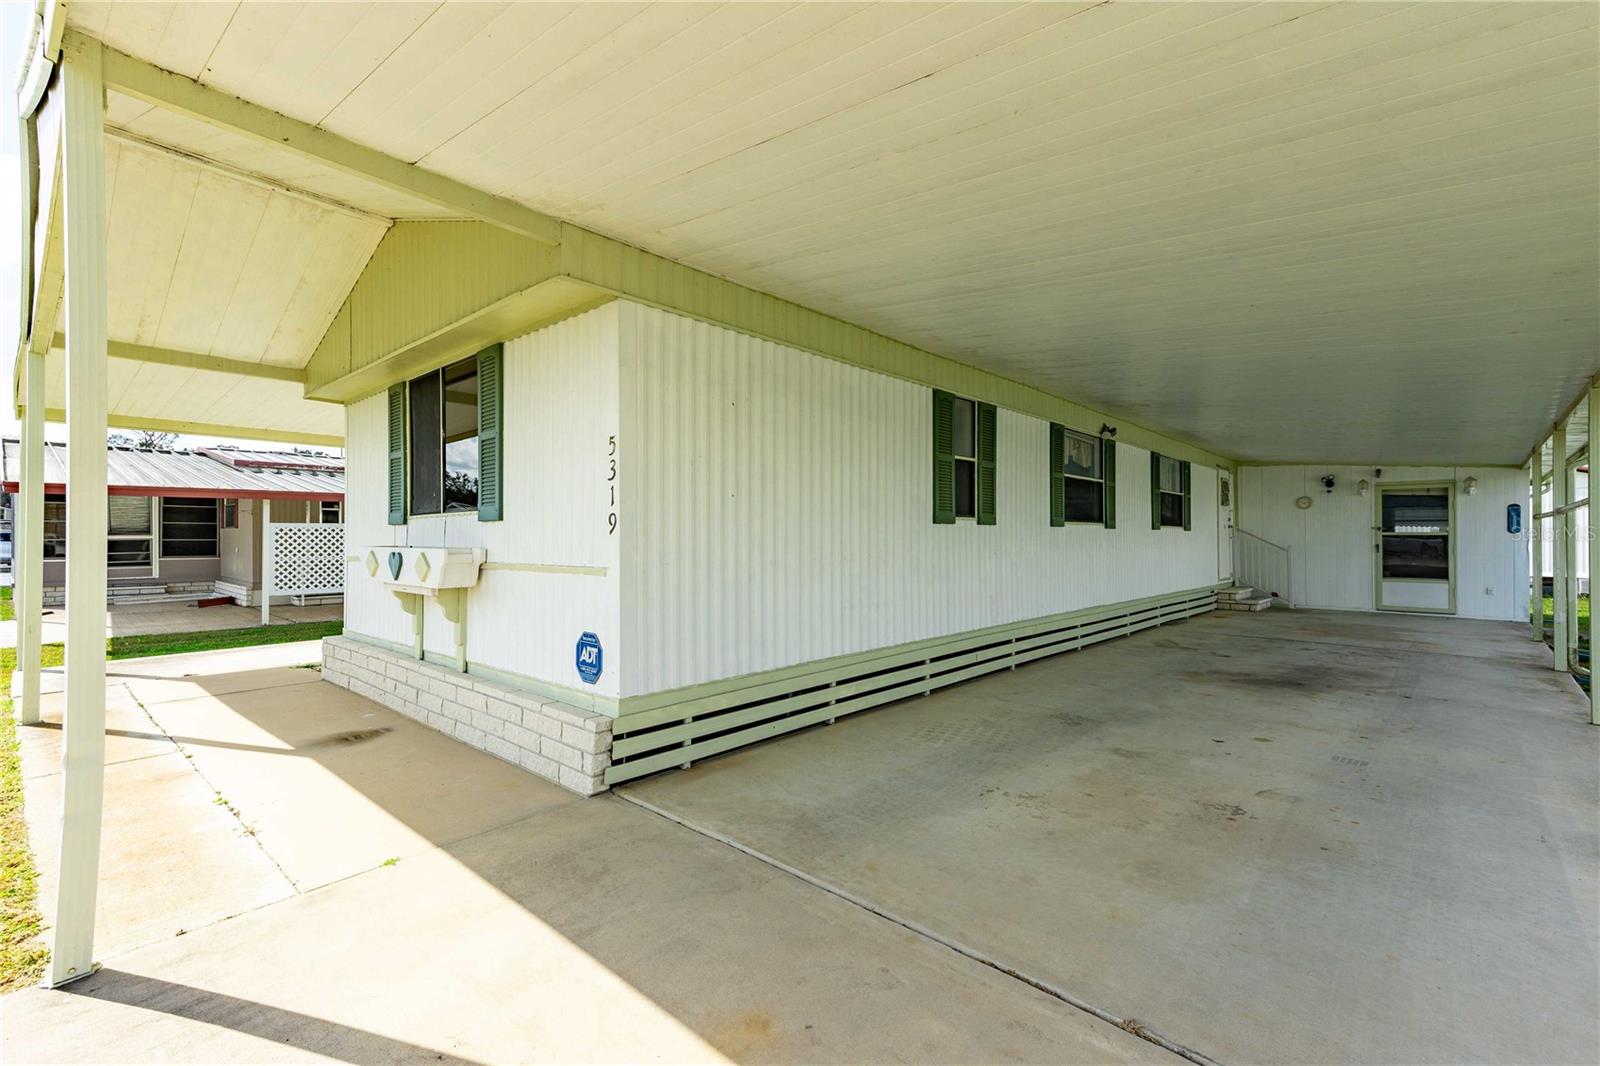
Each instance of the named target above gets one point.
<point>1258,602</point>
<point>1237,592</point>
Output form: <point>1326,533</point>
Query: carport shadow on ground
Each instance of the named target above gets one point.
<point>1096,833</point>
<point>404,897</point>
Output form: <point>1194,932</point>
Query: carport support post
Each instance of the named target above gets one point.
<point>1534,527</point>
<point>84,740</point>
<point>267,561</point>
<point>1594,457</point>
<point>29,547</point>
<point>1560,496</point>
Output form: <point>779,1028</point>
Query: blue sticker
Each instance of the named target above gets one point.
<point>589,658</point>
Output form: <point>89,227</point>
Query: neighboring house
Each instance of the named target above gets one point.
<point>186,523</point>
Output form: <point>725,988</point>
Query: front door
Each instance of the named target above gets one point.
<point>1224,527</point>
<point>1414,550</point>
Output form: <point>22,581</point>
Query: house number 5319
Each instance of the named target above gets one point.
<point>611,481</point>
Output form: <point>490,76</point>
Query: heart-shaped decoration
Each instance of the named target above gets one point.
<point>395,562</point>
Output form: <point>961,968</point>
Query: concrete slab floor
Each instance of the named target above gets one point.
<point>1286,837</point>
<point>517,923</point>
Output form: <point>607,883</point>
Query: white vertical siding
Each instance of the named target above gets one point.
<point>1331,543</point>
<point>780,512</point>
<point>560,409</point>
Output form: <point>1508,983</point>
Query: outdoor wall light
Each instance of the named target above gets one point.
<point>1470,486</point>
<point>1107,429</point>
<point>1363,487</point>
<point>1327,482</point>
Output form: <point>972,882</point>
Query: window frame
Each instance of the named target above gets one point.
<point>230,513</point>
<point>1094,443</point>
<point>216,527</point>
<point>151,538</point>
<point>322,512</point>
<point>1162,492</point>
<point>956,459</point>
<point>439,374</point>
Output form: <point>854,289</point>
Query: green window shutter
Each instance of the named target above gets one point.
<point>490,434</point>
<point>944,464</point>
<point>1155,490</point>
<point>397,455</point>
<point>986,448</point>
<point>1185,468</point>
<point>1058,482</point>
<point>1108,469</point>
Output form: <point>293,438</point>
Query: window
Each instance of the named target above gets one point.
<point>1084,489</point>
<point>332,511</point>
<point>444,439</point>
<point>230,514</point>
<point>1416,534</point>
<point>965,452</point>
<point>963,460</point>
<point>1169,492</point>
<point>188,528</point>
<point>128,530</point>
<point>55,527</point>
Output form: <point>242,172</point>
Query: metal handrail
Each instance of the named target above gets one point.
<point>1262,567</point>
<point>1269,543</point>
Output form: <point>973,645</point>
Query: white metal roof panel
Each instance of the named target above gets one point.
<point>176,472</point>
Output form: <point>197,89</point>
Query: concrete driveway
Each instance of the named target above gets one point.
<point>1287,837</point>
<point>293,873</point>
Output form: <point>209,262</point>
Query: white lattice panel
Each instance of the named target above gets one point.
<point>307,558</point>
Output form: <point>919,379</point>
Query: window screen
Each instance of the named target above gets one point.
<point>188,528</point>
<point>1416,534</point>
<point>129,522</point>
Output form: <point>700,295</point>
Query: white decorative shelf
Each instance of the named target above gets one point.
<point>425,571</point>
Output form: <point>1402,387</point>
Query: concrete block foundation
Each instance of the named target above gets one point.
<point>554,740</point>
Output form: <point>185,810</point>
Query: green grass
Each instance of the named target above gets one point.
<point>7,611</point>
<point>176,643</point>
<point>22,949</point>
<point>1583,612</point>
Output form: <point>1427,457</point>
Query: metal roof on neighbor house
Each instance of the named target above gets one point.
<point>131,472</point>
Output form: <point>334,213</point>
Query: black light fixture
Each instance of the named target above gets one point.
<point>1327,482</point>
<point>1107,429</point>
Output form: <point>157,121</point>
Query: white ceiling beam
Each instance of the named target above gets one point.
<point>207,429</point>
<point>173,92</point>
<point>144,353</point>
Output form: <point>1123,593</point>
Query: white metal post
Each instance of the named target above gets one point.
<point>267,562</point>
<point>1594,483</point>
<point>1534,526</point>
<point>1559,498</point>
<point>83,757</point>
<point>28,544</point>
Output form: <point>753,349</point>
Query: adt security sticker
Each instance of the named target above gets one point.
<point>589,657</point>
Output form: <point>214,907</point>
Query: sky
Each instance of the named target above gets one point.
<point>15,16</point>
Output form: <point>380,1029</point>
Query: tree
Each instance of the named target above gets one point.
<point>145,440</point>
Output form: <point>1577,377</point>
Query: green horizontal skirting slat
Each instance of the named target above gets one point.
<point>669,736</point>
<point>641,712</point>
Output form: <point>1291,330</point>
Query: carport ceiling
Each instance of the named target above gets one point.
<point>1357,232</point>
